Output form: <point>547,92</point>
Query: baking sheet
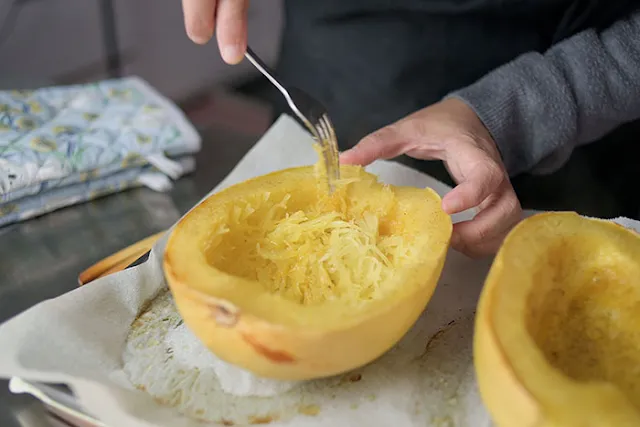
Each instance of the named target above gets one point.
<point>428,379</point>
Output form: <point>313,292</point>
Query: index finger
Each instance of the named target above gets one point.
<point>199,18</point>
<point>231,20</point>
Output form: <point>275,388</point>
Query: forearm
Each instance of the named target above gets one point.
<point>540,105</point>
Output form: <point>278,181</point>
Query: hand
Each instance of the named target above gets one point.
<point>450,131</point>
<point>227,17</point>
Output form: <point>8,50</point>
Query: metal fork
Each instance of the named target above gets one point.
<point>310,112</point>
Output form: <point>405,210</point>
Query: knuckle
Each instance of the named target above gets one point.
<point>369,140</point>
<point>481,234</point>
<point>476,235</point>
<point>495,174</point>
<point>232,13</point>
<point>467,138</point>
<point>378,140</point>
<point>381,135</point>
<point>512,204</point>
<point>416,127</point>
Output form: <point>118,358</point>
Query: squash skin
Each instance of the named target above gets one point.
<point>519,384</point>
<point>253,330</point>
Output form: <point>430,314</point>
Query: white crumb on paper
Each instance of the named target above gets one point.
<point>431,381</point>
<point>187,350</point>
<point>160,346</point>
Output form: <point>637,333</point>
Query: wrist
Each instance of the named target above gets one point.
<point>465,112</point>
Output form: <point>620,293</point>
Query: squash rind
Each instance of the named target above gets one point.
<point>546,254</point>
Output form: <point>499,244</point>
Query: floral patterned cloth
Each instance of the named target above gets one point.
<point>65,145</point>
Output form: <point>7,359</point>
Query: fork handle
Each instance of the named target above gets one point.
<point>271,76</point>
<point>264,69</point>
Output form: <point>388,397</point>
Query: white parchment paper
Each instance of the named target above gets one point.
<point>78,338</point>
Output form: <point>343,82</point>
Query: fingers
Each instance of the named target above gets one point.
<point>199,16</point>
<point>231,21</point>
<point>227,17</point>
<point>484,233</point>
<point>385,143</point>
<point>481,181</point>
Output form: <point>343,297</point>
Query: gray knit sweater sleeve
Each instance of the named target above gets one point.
<point>540,106</point>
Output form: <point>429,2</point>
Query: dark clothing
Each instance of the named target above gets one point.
<point>540,106</point>
<point>372,62</point>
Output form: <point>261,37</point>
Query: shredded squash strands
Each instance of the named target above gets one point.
<point>331,248</point>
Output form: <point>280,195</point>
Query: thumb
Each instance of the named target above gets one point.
<point>385,143</point>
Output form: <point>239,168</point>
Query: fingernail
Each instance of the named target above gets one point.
<point>199,31</point>
<point>232,53</point>
<point>449,206</point>
<point>198,37</point>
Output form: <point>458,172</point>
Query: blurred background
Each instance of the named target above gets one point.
<point>60,42</point>
<point>49,43</point>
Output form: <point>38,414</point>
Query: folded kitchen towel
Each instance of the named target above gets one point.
<point>65,145</point>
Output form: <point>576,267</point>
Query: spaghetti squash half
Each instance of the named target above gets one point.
<point>557,340</point>
<point>278,277</point>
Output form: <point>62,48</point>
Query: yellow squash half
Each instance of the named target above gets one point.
<point>275,276</point>
<point>557,338</point>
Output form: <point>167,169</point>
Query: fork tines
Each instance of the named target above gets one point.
<point>326,132</point>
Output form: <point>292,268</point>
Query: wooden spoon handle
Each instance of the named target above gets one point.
<point>118,261</point>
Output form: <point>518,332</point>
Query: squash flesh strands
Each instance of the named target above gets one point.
<point>327,250</point>
<point>322,252</point>
<point>281,278</point>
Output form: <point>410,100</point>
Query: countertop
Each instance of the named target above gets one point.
<point>42,257</point>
